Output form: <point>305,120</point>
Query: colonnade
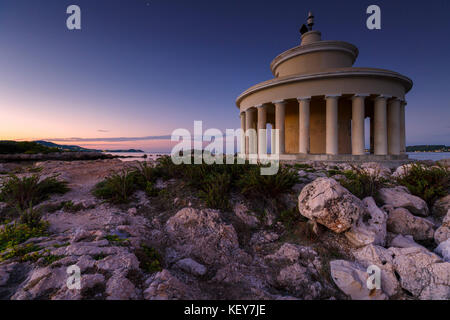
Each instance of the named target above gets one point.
<point>388,125</point>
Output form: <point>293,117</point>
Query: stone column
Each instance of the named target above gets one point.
<point>358,113</point>
<point>402,127</point>
<point>380,126</point>
<point>303,125</point>
<point>262,134</point>
<point>250,138</point>
<point>272,138</point>
<point>332,125</point>
<point>243,149</point>
<point>393,117</point>
<point>280,112</point>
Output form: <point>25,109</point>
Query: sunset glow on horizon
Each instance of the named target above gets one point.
<point>138,70</point>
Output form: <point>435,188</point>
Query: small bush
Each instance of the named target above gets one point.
<point>149,258</point>
<point>31,217</point>
<point>252,183</point>
<point>426,182</point>
<point>215,190</point>
<point>144,174</point>
<point>117,188</point>
<point>23,253</point>
<point>19,192</point>
<point>14,234</point>
<point>361,183</point>
<point>151,190</point>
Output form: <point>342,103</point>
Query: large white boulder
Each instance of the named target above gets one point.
<point>399,197</point>
<point>444,250</point>
<point>441,207</point>
<point>443,232</point>
<point>422,273</point>
<point>380,257</point>
<point>352,278</point>
<point>330,204</point>
<point>401,221</point>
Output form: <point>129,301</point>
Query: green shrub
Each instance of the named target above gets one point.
<point>149,259</point>
<point>24,253</point>
<point>151,190</point>
<point>289,217</point>
<point>145,173</point>
<point>426,182</point>
<point>215,190</point>
<point>117,188</point>
<point>19,192</point>
<point>361,183</point>
<point>253,184</point>
<point>31,217</point>
<point>14,234</point>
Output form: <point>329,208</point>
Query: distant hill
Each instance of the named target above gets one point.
<point>25,147</point>
<point>64,147</point>
<point>81,149</point>
<point>428,148</point>
<point>45,147</point>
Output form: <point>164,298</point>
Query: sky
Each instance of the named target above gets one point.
<point>140,69</point>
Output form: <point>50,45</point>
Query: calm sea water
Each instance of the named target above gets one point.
<point>429,155</point>
<point>412,155</point>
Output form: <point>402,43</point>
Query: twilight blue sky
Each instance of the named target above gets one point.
<point>143,68</point>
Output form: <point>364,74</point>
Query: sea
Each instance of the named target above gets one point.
<point>140,156</point>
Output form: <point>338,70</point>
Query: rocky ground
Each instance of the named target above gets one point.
<point>209,254</point>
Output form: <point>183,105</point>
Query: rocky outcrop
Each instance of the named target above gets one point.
<point>328,203</point>
<point>164,286</point>
<point>203,236</point>
<point>399,197</point>
<point>401,221</point>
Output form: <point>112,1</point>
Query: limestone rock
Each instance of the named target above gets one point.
<point>376,169</point>
<point>192,267</point>
<point>202,235</point>
<point>245,215</point>
<point>352,280</point>
<point>380,257</point>
<point>422,273</point>
<point>297,280</point>
<point>327,202</point>
<point>164,286</point>
<point>120,288</point>
<point>399,197</point>
<point>444,250</point>
<point>443,232</point>
<point>401,241</point>
<point>370,227</point>
<point>441,207</point>
<point>123,261</point>
<point>401,221</point>
<point>401,171</point>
